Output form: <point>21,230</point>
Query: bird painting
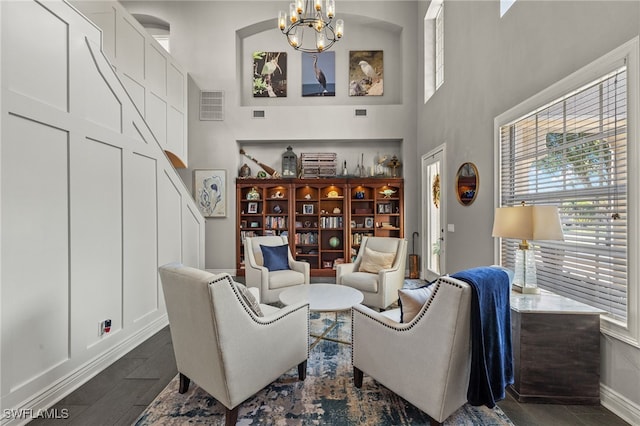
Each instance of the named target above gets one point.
<point>269,74</point>
<point>318,74</point>
<point>366,73</point>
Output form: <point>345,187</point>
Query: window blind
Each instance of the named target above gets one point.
<point>573,153</point>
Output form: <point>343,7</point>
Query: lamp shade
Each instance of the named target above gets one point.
<point>528,223</point>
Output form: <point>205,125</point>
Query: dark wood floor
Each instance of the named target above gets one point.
<point>119,394</point>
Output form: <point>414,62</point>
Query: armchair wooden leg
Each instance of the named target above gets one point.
<point>302,370</point>
<point>435,423</point>
<point>184,383</point>
<point>231,416</point>
<point>357,377</point>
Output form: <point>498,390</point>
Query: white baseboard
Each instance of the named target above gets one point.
<point>621,406</point>
<point>49,396</point>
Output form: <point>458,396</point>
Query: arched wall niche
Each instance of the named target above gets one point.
<point>361,33</point>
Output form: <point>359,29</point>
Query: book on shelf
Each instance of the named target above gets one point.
<point>331,222</point>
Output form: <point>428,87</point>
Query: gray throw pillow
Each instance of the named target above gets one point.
<point>249,299</point>
<point>412,300</point>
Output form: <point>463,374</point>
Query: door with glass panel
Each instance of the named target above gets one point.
<point>433,214</point>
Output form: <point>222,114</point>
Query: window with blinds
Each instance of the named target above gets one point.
<point>573,153</point>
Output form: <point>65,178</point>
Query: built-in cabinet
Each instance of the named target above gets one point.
<point>324,219</point>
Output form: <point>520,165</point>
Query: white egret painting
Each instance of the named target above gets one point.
<point>209,187</point>
<point>366,73</point>
<point>269,74</point>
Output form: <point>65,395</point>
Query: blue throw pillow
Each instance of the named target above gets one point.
<point>276,258</point>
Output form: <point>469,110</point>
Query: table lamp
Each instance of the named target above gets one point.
<point>527,223</point>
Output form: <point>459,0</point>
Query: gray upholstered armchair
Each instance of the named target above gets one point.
<point>220,339</point>
<point>427,360</point>
<point>272,283</point>
<point>379,282</point>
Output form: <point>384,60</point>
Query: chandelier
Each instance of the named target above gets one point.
<point>308,14</point>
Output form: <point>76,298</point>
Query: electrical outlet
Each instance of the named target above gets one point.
<point>104,327</point>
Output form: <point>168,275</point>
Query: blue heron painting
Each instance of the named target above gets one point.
<point>319,74</point>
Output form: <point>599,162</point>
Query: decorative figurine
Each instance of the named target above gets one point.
<point>394,163</point>
<point>387,193</point>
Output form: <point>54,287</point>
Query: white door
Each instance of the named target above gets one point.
<point>433,214</point>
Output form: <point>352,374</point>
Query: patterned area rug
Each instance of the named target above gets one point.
<point>326,397</point>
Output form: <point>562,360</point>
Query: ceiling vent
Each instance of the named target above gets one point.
<point>212,105</point>
<point>361,112</point>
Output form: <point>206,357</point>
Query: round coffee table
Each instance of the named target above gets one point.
<point>324,298</point>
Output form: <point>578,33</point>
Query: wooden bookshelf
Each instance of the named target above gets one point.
<point>324,219</point>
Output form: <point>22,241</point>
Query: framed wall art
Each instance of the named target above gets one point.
<point>269,74</point>
<point>209,191</point>
<point>366,73</point>
<point>319,74</point>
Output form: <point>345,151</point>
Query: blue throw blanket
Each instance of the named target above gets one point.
<point>491,352</point>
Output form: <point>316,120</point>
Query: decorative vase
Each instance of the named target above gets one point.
<point>253,194</point>
<point>245,171</point>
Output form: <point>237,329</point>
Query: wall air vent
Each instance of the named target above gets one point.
<point>212,105</point>
<point>258,113</point>
<point>361,112</point>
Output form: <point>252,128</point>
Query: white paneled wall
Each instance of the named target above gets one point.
<point>155,82</point>
<point>90,205</point>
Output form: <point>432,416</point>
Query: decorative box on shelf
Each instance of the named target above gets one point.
<point>319,164</point>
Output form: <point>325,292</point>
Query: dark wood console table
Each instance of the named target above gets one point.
<point>556,349</point>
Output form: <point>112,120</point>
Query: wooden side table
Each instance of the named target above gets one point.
<point>556,349</point>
